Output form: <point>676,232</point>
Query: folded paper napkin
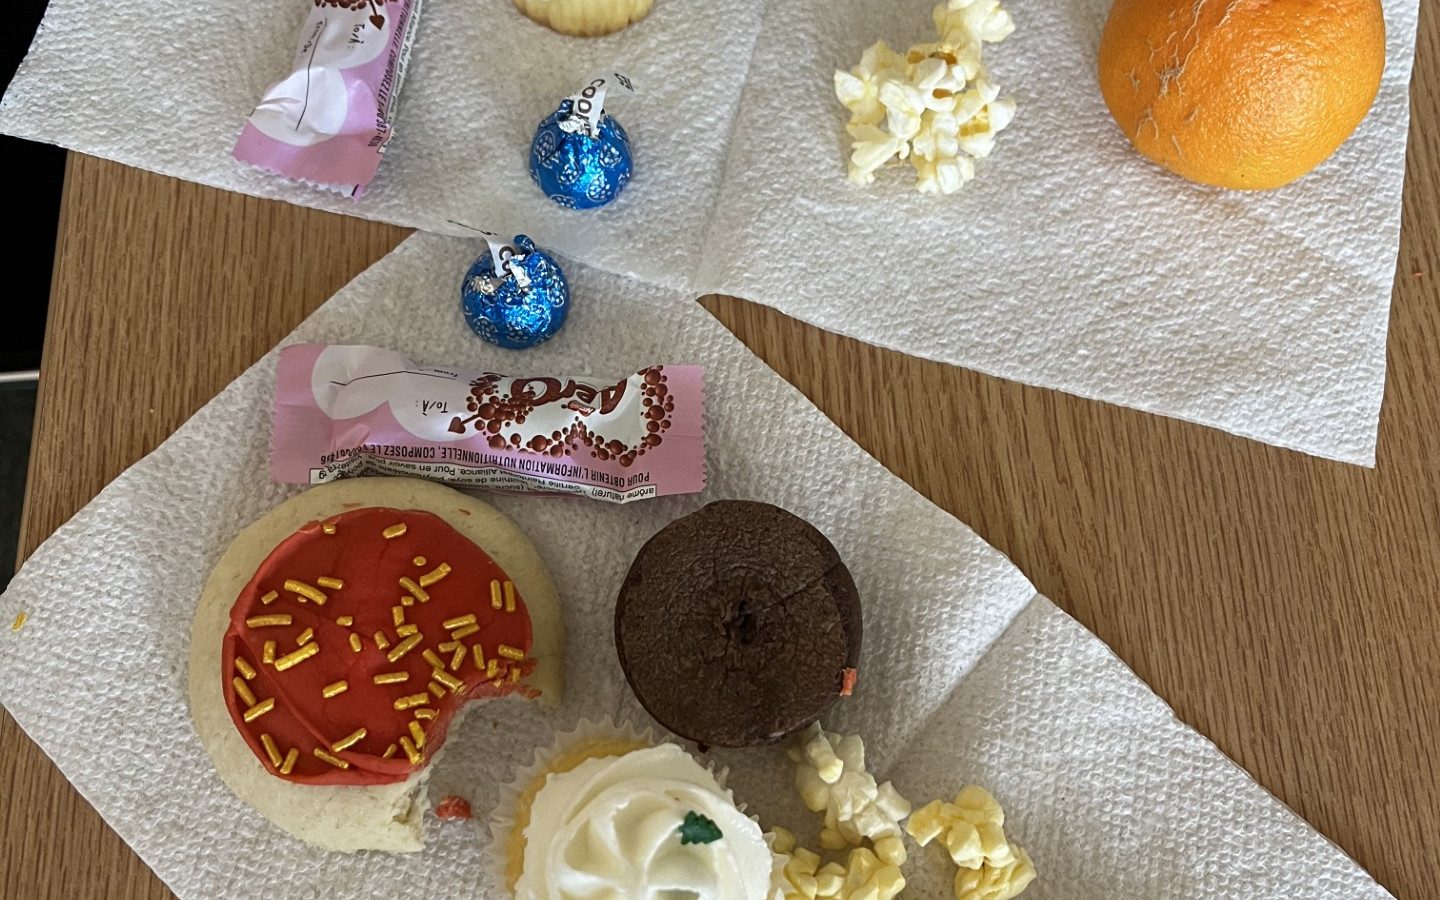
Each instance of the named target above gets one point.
<point>968,675</point>
<point>1069,263</point>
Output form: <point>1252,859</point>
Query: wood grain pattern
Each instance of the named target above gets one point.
<point>1284,605</point>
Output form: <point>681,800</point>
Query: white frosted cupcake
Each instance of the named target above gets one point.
<point>614,815</point>
<point>585,18</point>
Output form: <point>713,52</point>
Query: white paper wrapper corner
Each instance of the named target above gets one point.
<point>1070,263</point>
<point>967,674</point>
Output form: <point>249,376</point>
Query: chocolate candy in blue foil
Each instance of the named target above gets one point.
<point>580,162</point>
<point>515,296</point>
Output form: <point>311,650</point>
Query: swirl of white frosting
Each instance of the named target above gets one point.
<point>611,828</point>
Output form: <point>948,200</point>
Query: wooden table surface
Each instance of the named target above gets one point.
<point>1286,606</point>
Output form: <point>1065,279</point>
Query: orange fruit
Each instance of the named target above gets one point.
<point>1248,94</point>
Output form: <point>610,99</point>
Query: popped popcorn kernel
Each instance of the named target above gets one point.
<point>933,105</point>
<point>991,882</point>
<point>867,877</point>
<point>831,779</point>
<point>830,880</point>
<point>781,840</point>
<point>972,831</point>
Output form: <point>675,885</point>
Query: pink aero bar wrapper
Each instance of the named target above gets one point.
<point>344,411</point>
<point>328,120</point>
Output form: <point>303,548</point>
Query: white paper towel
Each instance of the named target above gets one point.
<point>1070,263</point>
<point>967,674</point>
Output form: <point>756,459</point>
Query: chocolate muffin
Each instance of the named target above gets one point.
<point>738,624</point>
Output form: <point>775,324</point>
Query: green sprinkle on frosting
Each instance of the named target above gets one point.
<point>696,829</point>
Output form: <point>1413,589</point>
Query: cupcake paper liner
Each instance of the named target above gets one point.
<point>586,731</point>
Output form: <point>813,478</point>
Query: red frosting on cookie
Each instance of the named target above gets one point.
<point>344,583</point>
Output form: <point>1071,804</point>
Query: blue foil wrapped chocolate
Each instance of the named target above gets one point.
<point>576,168</point>
<point>515,296</point>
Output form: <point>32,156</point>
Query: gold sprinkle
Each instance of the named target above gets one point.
<point>268,654</point>
<point>437,689</point>
<point>436,574</point>
<point>498,682</point>
<point>345,621</point>
<point>389,752</point>
<point>479,653</point>
<point>404,647</point>
<point>244,668</point>
<point>492,668</point>
<point>392,677</point>
<point>289,765</point>
<point>305,637</point>
<point>291,660</point>
<point>395,531</point>
<point>350,740</point>
<point>273,621</point>
<point>418,734</point>
<point>515,675</point>
<point>382,641</point>
<point>458,622</point>
<point>419,560</point>
<point>445,678</point>
<point>425,714</point>
<point>333,584</point>
<point>414,589</point>
<point>407,600</point>
<point>242,690</point>
<point>462,633</point>
<point>335,761</point>
<point>510,652</point>
<point>397,615</point>
<point>412,701</point>
<point>355,644</point>
<point>410,752</point>
<point>328,528</point>
<point>496,600</point>
<point>433,659</point>
<point>449,646</point>
<point>259,709</point>
<point>308,592</point>
<point>271,750</point>
<point>509,596</point>
<point>19,622</point>
<point>457,659</point>
<point>407,630</point>
<point>334,689</point>
<point>270,598</point>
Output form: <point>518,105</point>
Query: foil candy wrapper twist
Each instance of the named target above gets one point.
<point>345,411</point>
<point>329,120</point>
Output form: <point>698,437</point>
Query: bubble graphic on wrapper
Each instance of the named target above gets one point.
<point>521,302</point>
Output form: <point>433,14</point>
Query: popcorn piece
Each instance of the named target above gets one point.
<point>830,880</point>
<point>831,779</point>
<point>934,105</point>
<point>867,877</point>
<point>781,840</point>
<point>972,831</point>
<point>996,883</point>
<point>800,877</point>
<point>859,89</point>
<point>983,20</point>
